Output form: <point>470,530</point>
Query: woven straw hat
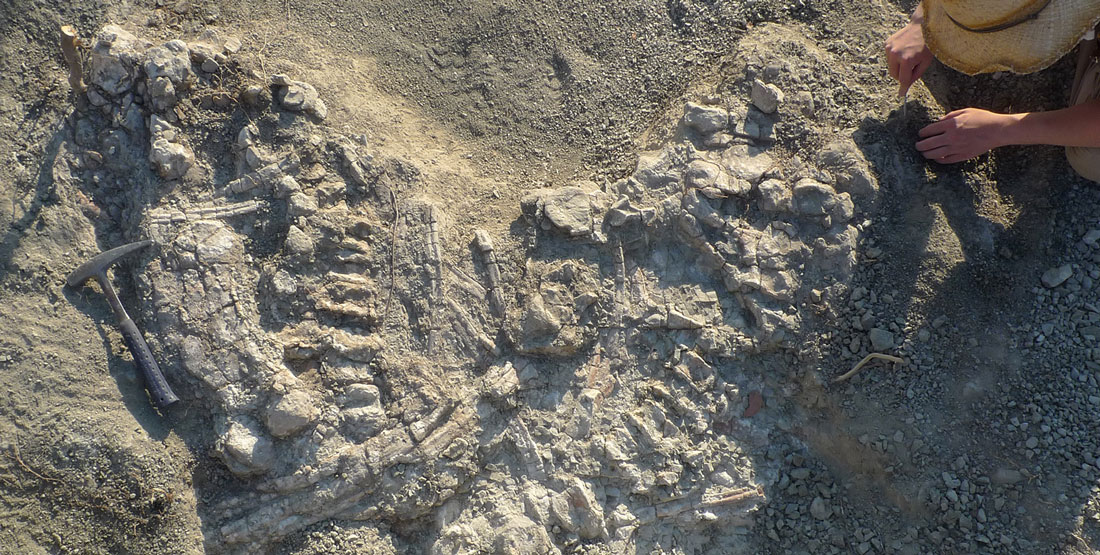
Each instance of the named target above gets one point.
<point>981,36</point>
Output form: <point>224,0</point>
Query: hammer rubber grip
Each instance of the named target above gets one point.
<point>154,380</point>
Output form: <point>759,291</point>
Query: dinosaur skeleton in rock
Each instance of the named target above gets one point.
<point>271,298</point>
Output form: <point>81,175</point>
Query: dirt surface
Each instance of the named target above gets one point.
<point>533,278</point>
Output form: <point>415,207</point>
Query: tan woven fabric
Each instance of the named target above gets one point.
<point>1022,36</point>
<point>1086,87</point>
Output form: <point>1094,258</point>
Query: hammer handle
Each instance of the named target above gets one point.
<point>154,380</point>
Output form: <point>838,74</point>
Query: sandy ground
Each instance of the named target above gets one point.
<point>980,442</point>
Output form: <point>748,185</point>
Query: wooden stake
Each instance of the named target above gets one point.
<point>69,41</point>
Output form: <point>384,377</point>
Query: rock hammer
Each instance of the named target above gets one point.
<point>97,268</point>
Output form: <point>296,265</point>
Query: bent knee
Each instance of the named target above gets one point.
<point>1085,161</point>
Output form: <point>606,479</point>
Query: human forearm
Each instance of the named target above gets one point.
<point>918,14</point>
<point>964,134</point>
<point>1074,126</point>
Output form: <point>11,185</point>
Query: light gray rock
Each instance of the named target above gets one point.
<point>766,97</point>
<point>168,71</point>
<point>245,451</point>
<point>297,96</point>
<point>747,162</point>
<point>844,160</point>
<point>780,285</point>
<point>521,536</point>
<point>1056,276</point>
<point>843,209</point>
<point>291,413</point>
<point>577,510</point>
<point>1006,476</point>
<point>775,196</point>
<point>171,160</point>
<point>820,510</point>
<point>255,96</point>
<point>286,186</point>
<point>114,59</point>
<point>701,209</point>
<point>539,322</point>
<point>881,340</point>
<point>705,119</point>
<point>678,321</point>
<point>701,173</point>
<point>812,198</point>
<point>567,210</point>
<point>297,241</point>
<point>301,204</point>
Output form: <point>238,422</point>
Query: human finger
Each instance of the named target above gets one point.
<point>905,77</point>
<point>934,141</point>
<point>922,66</point>
<point>954,158</point>
<point>937,153</point>
<point>935,128</point>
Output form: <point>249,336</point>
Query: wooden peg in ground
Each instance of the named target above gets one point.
<point>69,41</point>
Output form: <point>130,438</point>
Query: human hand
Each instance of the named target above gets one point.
<point>907,55</point>
<point>963,134</point>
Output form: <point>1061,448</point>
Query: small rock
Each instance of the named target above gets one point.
<point>299,97</point>
<point>747,162</point>
<point>813,198</point>
<point>538,321</point>
<point>705,119</point>
<point>1056,276</point>
<point>701,173</point>
<point>171,160</point>
<point>242,448</point>
<point>775,196</point>
<point>301,204</point>
<point>804,100</point>
<point>577,510</point>
<point>167,69</point>
<point>1032,442</point>
<point>286,186</point>
<point>113,59</point>
<point>233,45</point>
<point>1007,476</point>
<point>210,66</point>
<point>362,394</point>
<point>766,97</point>
<point>678,321</point>
<point>255,96</point>
<point>568,210</point>
<point>820,510</point>
<point>881,340</point>
<point>297,242</point>
<point>291,413</point>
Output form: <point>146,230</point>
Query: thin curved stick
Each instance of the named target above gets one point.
<point>859,365</point>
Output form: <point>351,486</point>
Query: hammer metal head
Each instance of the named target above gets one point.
<point>99,264</point>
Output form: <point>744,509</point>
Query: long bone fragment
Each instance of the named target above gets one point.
<point>484,245</point>
<point>266,175</point>
<point>166,216</point>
